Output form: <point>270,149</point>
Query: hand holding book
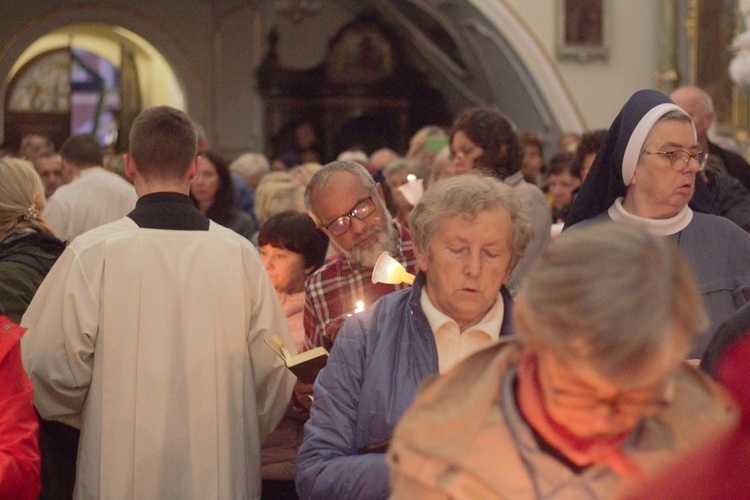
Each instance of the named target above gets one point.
<point>305,365</point>
<point>302,397</point>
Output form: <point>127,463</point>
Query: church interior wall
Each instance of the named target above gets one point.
<point>215,47</point>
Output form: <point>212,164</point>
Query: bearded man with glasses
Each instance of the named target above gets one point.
<point>348,205</point>
<point>646,174</point>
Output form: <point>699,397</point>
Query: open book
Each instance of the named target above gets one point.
<point>305,365</point>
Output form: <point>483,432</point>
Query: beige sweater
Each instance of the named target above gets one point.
<point>454,443</point>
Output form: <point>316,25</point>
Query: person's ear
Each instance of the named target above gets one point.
<point>70,171</point>
<point>130,167</point>
<point>193,170</point>
<point>710,117</point>
<point>422,259</point>
<point>379,189</point>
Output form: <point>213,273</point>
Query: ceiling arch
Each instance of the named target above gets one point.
<point>113,23</point>
<point>480,53</point>
<point>158,82</point>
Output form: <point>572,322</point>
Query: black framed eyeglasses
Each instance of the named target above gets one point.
<point>361,210</point>
<point>679,159</point>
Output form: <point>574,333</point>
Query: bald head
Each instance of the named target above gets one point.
<point>699,106</point>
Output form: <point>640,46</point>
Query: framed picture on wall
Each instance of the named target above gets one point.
<point>717,23</point>
<point>582,29</point>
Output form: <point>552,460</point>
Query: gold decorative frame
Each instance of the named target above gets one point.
<point>710,27</point>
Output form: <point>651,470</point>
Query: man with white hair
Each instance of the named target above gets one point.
<point>700,107</point>
<point>347,204</point>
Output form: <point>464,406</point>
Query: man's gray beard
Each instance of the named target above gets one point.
<point>367,257</point>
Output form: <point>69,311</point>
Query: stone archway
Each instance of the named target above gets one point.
<point>121,22</point>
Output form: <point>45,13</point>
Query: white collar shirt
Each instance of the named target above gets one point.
<point>454,345</point>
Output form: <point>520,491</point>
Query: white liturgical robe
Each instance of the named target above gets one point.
<point>160,356</point>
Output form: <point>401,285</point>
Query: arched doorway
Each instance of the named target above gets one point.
<point>86,78</point>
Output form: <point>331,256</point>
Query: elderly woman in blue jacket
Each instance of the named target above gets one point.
<point>469,232</point>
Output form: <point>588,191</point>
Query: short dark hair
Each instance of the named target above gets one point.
<point>297,233</point>
<point>590,143</point>
<point>562,162</point>
<point>82,150</point>
<point>491,130</point>
<point>528,138</point>
<point>163,143</point>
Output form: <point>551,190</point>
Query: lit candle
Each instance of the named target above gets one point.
<point>360,306</point>
<point>413,189</point>
<point>389,270</point>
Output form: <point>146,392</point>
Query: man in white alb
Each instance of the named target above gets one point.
<point>149,334</point>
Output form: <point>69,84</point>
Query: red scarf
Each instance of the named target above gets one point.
<point>580,451</point>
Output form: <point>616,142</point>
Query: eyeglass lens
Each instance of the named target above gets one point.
<point>361,211</point>
<point>681,158</point>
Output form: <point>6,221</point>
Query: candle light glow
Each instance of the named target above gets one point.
<point>359,307</point>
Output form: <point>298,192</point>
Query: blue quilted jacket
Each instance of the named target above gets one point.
<point>380,358</point>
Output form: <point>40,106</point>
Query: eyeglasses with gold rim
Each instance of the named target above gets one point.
<point>679,158</point>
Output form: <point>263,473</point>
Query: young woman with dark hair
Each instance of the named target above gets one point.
<point>213,193</point>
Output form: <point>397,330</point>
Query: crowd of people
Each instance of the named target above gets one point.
<point>546,347</point>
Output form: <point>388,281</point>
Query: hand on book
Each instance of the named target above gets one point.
<point>305,365</point>
<point>302,395</point>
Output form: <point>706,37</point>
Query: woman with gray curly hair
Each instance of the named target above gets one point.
<point>591,397</point>
<point>28,248</point>
<point>469,231</point>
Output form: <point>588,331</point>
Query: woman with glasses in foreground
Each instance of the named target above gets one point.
<point>589,398</point>
<point>645,173</point>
